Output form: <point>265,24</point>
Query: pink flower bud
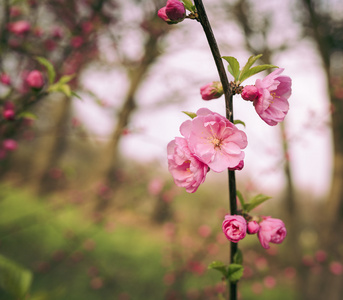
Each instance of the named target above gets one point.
<point>253,227</point>
<point>35,79</point>
<point>5,79</point>
<point>174,12</point>
<point>19,27</point>
<point>234,227</point>
<point>249,93</point>
<point>211,91</point>
<point>76,41</point>
<point>9,145</point>
<point>271,231</point>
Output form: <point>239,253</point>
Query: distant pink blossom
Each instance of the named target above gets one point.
<point>211,90</point>
<point>173,12</point>
<point>336,268</point>
<point>5,79</point>
<point>272,102</point>
<point>187,170</point>
<point>8,114</point>
<point>234,227</point>
<point>35,79</point>
<point>19,27</point>
<point>155,186</point>
<point>253,227</point>
<point>214,140</point>
<point>9,145</point>
<point>271,231</point>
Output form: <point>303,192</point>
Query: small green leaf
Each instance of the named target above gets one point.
<point>256,201</point>
<point>49,67</point>
<point>219,266</point>
<point>235,272</point>
<point>233,66</point>
<point>190,114</point>
<point>65,89</point>
<point>240,197</point>
<point>76,95</point>
<point>248,65</point>
<point>13,278</point>
<point>188,5</point>
<point>27,115</point>
<point>238,257</point>
<point>66,78</point>
<point>255,70</point>
<point>239,122</point>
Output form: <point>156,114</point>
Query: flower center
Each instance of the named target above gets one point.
<point>216,142</point>
<point>273,94</point>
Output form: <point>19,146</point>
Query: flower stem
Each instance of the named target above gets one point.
<point>202,17</point>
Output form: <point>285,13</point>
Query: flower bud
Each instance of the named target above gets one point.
<point>35,79</point>
<point>19,27</point>
<point>250,93</point>
<point>5,79</point>
<point>8,114</point>
<point>174,12</point>
<point>253,227</point>
<point>211,91</point>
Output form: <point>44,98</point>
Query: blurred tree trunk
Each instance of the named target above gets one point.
<point>136,75</point>
<point>326,32</point>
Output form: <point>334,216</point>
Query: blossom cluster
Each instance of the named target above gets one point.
<point>269,96</point>
<point>210,141</point>
<point>269,230</point>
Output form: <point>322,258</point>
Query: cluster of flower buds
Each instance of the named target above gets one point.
<point>269,230</point>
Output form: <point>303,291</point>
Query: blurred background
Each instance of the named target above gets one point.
<point>88,209</point>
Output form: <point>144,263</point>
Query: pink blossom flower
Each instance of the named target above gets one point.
<point>19,27</point>
<point>274,91</point>
<point>35,79</point>
<point>5,79</point>
<point>214,140</point>
<point>253,227</point>
<point>174,12</point>
<point>336,268</point>
<point>8,114</point>
<point>271,231</point>
<point>9,145</point>
<point>211,90</point>
<point>186,169</point>
<point>234,227</point>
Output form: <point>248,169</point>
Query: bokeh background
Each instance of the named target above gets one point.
<point>87,205</point>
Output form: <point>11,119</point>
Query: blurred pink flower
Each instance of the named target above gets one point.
<point>19,27</point>
<point>5,79</point>
<point>214,140</point>
<point>35,79</point>
<point>155,186</point>
<point>234,227</point>
<point>173,12</point>
<point>204,231</point>
<point>271,231</point>
<point>186,169</point>
<point>76,41</point>
<point>336,268</point>
<point>211,90</point>
<point>321,255</point>
<point>9,145</point>
<point>269,282</point>
<point>8,114</point>
<point>253,227</point>
<point>272,101</point>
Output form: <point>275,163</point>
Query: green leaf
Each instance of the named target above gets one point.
<point>233,66</point>
<point>76,95</point>
<point>255,70</point>
<point>14,279</point>
<point>49,67</point>
<point>235,272</point>
<point>239,122</point>
<point>238,257</point>
<point>240,197</point>
<point>65,89</point>
<point>248,65</point>
<point>219,266</point>
<point>66,78</point>
<point>188,5</point>
<point>190,114</point>
<point>27,115</point>
<point>256,201</point>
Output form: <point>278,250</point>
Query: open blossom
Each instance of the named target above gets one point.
<point>271,231</point>
<point>214,140</point>
<point>35,79</point>
<point>186,169</point>
<point>273,93</point>
<point>211,90</point>
<point>234,228</point>
<point>174,12</point>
